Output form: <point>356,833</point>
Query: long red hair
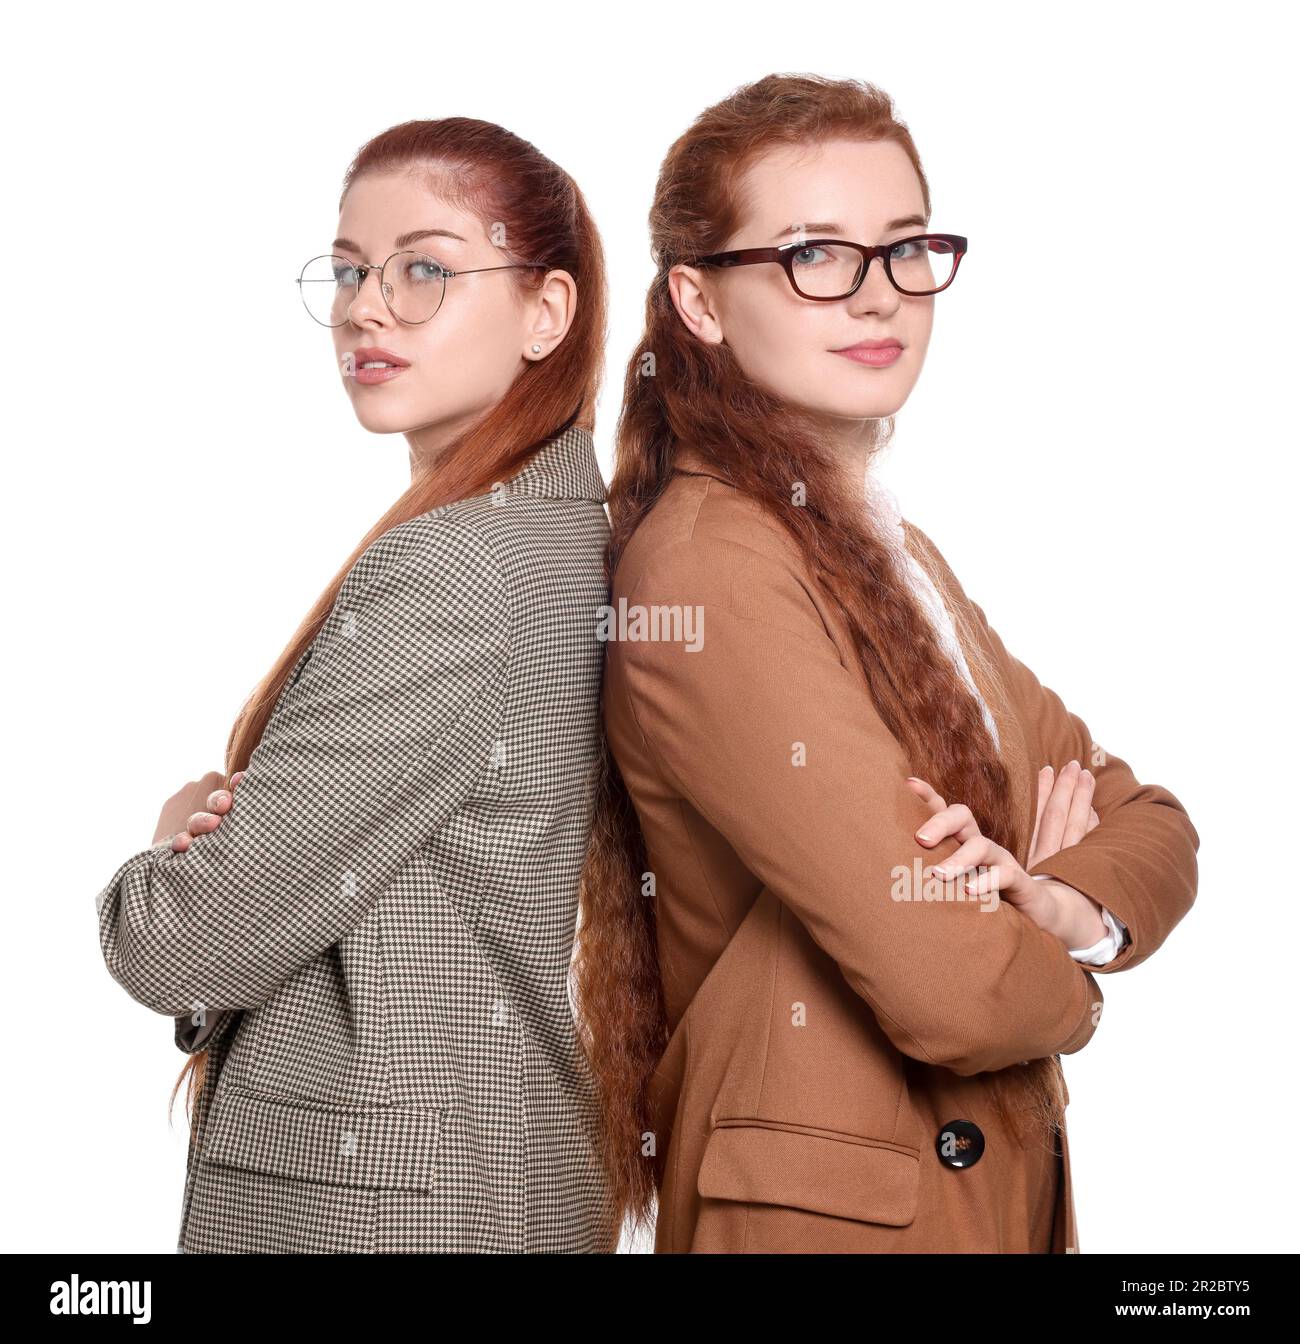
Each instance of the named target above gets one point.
<point>504,180</point>
<point>699,394</point>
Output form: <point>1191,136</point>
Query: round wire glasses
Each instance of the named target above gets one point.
<point>412,285</point>
<point>831,268</point>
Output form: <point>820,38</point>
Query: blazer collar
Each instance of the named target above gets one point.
<point>690,461</point>
<point>564,467</point>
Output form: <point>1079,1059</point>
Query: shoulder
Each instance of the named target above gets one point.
<point>435,557</point>
<point>524,529</point>
<point>704,542</point>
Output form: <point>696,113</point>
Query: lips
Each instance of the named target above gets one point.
<point>886,343</point>
<point>877,354</point>
<point>373,365</point>
<point>372,354</point>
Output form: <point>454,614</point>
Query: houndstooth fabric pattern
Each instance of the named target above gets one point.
<point>374,945</point>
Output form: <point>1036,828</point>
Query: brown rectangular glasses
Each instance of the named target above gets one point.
<point>831,268</point>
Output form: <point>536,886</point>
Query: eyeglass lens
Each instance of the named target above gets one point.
<point>918,266</point>
<point>413,285</point>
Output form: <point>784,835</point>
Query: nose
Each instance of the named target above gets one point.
<point>876,294</point>
<point>368,307</point>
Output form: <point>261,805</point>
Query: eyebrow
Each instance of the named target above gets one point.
<point>403,240</point>
<point>823,226</point>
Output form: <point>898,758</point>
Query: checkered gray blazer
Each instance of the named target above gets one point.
<point>374,945</point>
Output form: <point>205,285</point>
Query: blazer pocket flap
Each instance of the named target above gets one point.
<point>385,1148</point>
<point>841,1175</point>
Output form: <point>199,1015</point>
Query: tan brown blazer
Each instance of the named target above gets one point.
<point>826,1086</point>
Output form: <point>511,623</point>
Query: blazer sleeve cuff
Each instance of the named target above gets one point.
<point>192,1036</point>
<point>1108,946</point>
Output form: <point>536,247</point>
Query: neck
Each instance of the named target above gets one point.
<point>427,444</point>
<point>853,442</point>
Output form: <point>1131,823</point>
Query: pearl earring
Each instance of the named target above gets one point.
<point>537,349</point>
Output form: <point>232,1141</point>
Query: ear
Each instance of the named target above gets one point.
<point>551,314</point>
<point>696,303</point>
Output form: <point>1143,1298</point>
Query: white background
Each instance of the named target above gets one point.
<point>1102,444</point>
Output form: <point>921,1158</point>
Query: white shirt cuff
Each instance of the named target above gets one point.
<point>1106,949</point>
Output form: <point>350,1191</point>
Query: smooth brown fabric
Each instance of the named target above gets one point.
<point>823,1032</point>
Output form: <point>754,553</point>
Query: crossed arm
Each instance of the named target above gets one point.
<point>383,734</point>
<point>777,746</point>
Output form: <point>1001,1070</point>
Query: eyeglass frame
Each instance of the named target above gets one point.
<point>784,254</point>
<point>364,271</point>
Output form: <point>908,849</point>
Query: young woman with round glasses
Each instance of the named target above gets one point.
<point>363,927</point>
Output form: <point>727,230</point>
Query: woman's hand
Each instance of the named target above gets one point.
<point>1062,822</point>
<point>997,867</point>
<point>1065,812</point>
<point>1064,815</point>
<point>178,819</point>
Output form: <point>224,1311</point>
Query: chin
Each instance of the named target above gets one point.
<point>382,419</point>
<point>858,407</point>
